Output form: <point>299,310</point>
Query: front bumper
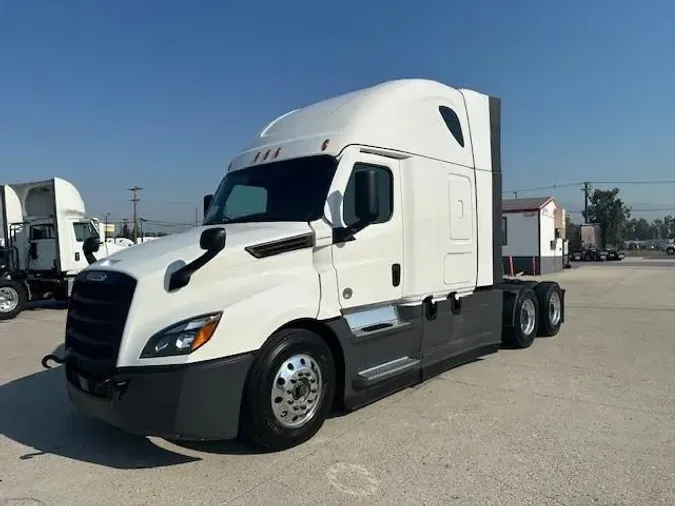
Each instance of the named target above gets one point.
<point>198,401</point>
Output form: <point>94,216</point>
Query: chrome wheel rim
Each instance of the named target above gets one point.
<point>528,316</point>
<point>297,390</point>
<point>9,299</point>
<point>554,311</point>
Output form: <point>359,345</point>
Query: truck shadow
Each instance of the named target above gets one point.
<point>47,304</point>
<point>37,413</point>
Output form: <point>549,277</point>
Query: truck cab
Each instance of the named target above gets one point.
<point>45,232</point>
<point>351,250</point>
<point>44,246</point>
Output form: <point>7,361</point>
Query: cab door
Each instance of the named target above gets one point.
<point>81,230</point>
<point>369,267</point>
<point>42,247</point>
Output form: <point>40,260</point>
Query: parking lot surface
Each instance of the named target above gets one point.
<point>585,418</point>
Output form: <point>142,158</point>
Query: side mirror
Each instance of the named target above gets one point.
<point>89,247</point>
<point>366,196</point>
<point>207,203</point>
<point>212,239</point>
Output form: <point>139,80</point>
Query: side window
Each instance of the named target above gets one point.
<point>385,190</point>
<point>245,200</point>
<point>83,231</point>
<point>39,232</point>
<point>452,122</point>
<point>504,230</point>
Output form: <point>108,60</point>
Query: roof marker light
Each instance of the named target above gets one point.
<point>324,145</point>
<point>257,155</point>
<point>276,153</point>
<point>267,153</point>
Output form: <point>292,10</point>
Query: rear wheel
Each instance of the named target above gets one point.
<point>549,297</point>
<point>289,392</point>
<point>525,321</point>
<point>13,299</point>
<point>670,251</point>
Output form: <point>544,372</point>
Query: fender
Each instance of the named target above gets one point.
<point>261,315</point>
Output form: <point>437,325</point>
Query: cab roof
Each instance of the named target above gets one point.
<point>415,116</point>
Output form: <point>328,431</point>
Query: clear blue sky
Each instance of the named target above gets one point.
<point>108,94</point>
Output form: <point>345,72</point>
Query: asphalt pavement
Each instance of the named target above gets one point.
<point>585,418</point>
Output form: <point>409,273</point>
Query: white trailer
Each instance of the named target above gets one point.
<point>352,250</point>
<point>47,238</point>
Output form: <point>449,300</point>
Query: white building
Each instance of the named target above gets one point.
<point>533,230</point>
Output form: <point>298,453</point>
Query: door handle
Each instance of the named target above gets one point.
<point>396,274</point>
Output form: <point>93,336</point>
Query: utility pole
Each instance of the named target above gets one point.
<point>587,188</point>
<point>105,231</point>
<point>134,190</point>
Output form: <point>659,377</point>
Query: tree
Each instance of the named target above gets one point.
<point>572,232</point>
<point>125,231</point>
<point>657,229</point>
<point>668,231</point>
<point>643,230</point>
<point>608,210</point>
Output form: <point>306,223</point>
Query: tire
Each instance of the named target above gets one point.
<point>262,418</point>
<point>670,251</point>
<point>13,299</point>
<point>550,300</point>
<point>523,332</point>
<point>61,292</point>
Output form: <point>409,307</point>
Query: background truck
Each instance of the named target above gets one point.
<point>352,250</point>
<point>44,236</point>
<point>587,245</point>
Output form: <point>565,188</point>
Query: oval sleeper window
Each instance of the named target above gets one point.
<point>452,122</point>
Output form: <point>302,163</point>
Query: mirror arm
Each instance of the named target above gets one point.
<point>182,276</point>
<point>344,234</point>
<point>90,257</point>
<point>89,252</point>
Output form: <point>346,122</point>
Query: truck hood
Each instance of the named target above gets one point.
<point>148,258</point>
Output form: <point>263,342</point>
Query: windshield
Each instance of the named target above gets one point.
<point>288,190</point>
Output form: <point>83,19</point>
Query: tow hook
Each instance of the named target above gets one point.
<point>53,358</point>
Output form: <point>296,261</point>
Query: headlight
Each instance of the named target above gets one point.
<point>182,338</point>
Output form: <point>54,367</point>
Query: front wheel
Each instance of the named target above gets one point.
<point>13,299</point>
<point>290,390</point>
<point>670,251</point>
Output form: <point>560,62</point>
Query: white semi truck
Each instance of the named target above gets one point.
<point>352,250</point>
<point>46,238</point>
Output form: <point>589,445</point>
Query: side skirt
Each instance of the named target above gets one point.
<point>416,343</point>
<point>466,357</point>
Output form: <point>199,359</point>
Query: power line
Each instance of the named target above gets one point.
<point>582,183</point>
<point>668,181</point>
<point>550,187</point>
<point>633,211</point>
<point>168,223</point>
